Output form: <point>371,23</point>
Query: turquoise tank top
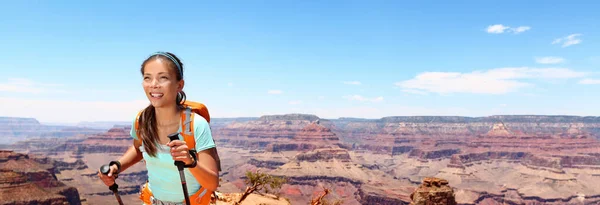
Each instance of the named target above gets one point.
<point>163,176</point>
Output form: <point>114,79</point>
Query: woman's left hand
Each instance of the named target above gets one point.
<point>180,151</point>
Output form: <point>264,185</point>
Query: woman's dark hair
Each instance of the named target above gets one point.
<point>147,129</point>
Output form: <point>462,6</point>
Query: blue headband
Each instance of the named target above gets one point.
<point>172,59</point>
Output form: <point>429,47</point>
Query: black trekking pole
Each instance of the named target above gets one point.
<point>179,164</point>
<point>114,188</point>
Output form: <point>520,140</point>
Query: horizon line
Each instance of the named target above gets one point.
<point>325,118</point>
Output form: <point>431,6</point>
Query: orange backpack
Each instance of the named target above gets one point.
<point>187,129</point>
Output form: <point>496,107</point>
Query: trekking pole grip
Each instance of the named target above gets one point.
<point>175,136</point>
<point>180,165</point>
<point>104,169</point>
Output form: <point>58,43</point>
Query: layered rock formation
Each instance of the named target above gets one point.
<point>14,129</point>
<point>358,130</point>
<point>115,140</point>
<point>19,127</point>
<point>311,137</point>
<point>24,180</point>
<point>433,191</point>
<point>451,147</point>
<point>512,159</point>
<point>275,133</point>
<point>509,164</point>
<point>76,162</point>
<point>308,153</point>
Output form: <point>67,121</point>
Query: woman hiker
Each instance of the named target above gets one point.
<point>163,85</point>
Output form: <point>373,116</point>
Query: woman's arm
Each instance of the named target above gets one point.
<point>132,156</point>
<point>206,171</point>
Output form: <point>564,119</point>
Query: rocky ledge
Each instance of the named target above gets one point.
<point>325,155</point>
<point>433,191</point>
<point>26,181</point>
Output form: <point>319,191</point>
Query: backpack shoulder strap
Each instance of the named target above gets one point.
<point>187,127</point>
<point>137,142</point>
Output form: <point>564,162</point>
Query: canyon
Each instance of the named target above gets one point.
<point>28,179</point>
<point>485,160</point>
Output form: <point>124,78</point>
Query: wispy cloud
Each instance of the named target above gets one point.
<point>275,92</point>
<point>589,81</point>
<point>549,60</point>
<point>494,81</point>
<point>499,28</point>
<point>352,82</point>
<point>295,102</point>
<point>520,29</point>
<point>363,99</point>
<point>22,85</point>
<point>568,40</point>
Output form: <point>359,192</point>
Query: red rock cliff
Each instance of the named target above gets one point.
<point>433,191</point>
<point>25,181</point>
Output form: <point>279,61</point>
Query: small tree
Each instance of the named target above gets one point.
<point>321,201</point>
<point>261,183</point>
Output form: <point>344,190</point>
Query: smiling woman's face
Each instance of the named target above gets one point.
<point>160,83</point>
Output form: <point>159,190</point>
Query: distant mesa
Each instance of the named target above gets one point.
<point>575,129</point>
<point>311,137</point>
<point>14,129</point>
<point>499,129</point>
<point>315,132</point>
<point>102,124</point>
<point>294,116</point>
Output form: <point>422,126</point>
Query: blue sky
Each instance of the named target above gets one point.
<point>64,61</point>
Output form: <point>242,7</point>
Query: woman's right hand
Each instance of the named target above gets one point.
<point>108,179</point>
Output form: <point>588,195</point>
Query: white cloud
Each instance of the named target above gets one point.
<point>499,28</point>
<point>22,85</point>
<point>494,81</point>
<point>70,111</point>
<point>295,102</point>
<point>589,81</point>
<point>520,29</point>
<point>549,60</point>
<point>568,40</point>
<point>352,82</point>
<point>363,99</point>
<point>275,92</point>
